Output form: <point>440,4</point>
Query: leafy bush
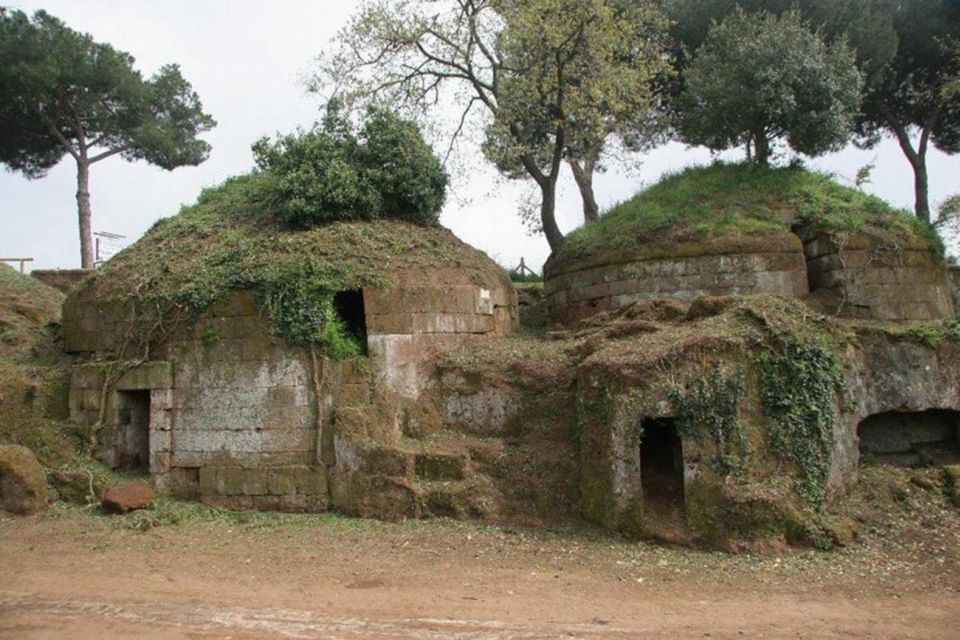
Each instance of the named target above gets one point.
<point>333,172</point>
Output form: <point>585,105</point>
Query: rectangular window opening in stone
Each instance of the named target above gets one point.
<point>661,465</point>
<point>349,306</point>
<point>133,423</point>
<point>910,438</point>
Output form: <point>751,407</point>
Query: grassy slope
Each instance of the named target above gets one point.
<point>230,240</point>
<point>26,307</point>
<point>736,200</point>
<point>33,374</point>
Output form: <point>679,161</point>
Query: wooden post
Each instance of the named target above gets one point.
<point>22,262</point>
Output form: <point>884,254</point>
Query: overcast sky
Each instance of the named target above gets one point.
<point>247,59</point>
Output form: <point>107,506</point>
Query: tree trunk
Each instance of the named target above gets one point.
<point>762,149</point>
<point>918,161</point>
<point>583,176</point>
<point>921,189</point>
<point>83,210</point>
<point>548,217</point>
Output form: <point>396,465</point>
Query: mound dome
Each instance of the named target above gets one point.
<point>740,230</point>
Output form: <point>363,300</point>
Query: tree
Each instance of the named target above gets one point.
<point>62,93</point>
<point>759,77</point>
<point>554,78</point>
<point>333,172</point>
<point>864,24</point>
<point>907,52</point>
<point>581,73</point>
<point>917,98</point>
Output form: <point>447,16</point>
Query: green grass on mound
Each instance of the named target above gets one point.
<point>27,306</point>
<point>736,200</point>
<point>232,239</point>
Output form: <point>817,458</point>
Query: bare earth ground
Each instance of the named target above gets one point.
<point>75,574</point>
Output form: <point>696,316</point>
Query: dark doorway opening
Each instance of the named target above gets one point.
<point>133,424</point>
<point>661,465</point>
<point>349,306</point>
<point>911,438</point>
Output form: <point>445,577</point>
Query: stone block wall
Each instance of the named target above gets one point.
<point>855,276</point>
<point>234,410</point>
<point>63,279</point>
<point>232,413</point>
<point>91,325</point>
<point>771,265</point>
<point>409,326</point>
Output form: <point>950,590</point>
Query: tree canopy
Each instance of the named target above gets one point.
<point>579,74</point>
<point>554,79</point>
<point>906,51</point>
<point>917,98</point>
<point>62,93</point>
<point>759,77</point>
<point>336,172</point>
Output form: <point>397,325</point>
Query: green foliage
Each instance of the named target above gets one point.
<point>919,86</point>
<point>734,200</point>
<point>385,170</point>
<point>577,73</point>
<point>554,79</point>
<point>63,92</point>
<point>710,405</point>
<point>233,239</point>
<point>865,24</point>
<point>27,306</point>
<point>799,384</point>
<point>759,77</point>
<point>300,303</point>
<point>210,335</point>
<point>932,335</point>
<point>525,278</point>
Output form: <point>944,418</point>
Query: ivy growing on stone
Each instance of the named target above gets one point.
<point>799,385</point>
<point>710,405</point>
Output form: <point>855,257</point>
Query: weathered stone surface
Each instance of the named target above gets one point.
<point>862,278</point>
<point>23,485</point>
<point>128,496</point>
<point>747,266</point>
<point>149,375</point>
<point>62,279</point>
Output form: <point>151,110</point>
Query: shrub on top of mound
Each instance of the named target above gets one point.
<point>336,172</point>
<point>737,200</point>
<point>336,208</point>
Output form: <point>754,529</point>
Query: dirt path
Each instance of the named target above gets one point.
<point>82,576</point>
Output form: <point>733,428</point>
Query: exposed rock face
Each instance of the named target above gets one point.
<point>128,497</point>
<point>23,485</point>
